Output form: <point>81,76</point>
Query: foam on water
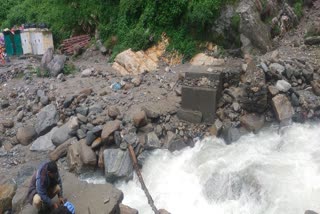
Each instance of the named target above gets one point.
<point>267,173</point>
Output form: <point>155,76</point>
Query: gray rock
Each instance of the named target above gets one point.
<point>96,108</point>
<point>131,139</point>
<point>289,70</point>
<point>177,145</point>
<point>5,104</point>
<point>56,65</point>
<point>117,164</point>
<point>90,138</point>
<point>40,93</point>
<point>97,130</point>
<point>80,134</point>
<point>312,40</point>
<point>44,100</point>
<point>308,75</point>
<point>44,142</point>
<point>294,100</point>
<point>47,118</point>
<point>152,141</point>
<point>276,67</point>
<point>25,135</point>
<point>252,27</point>
<point>283,85</point>
<point>65,132</point>
<point>252,122</point>
<point>309,100</point>
<point>82,110</point>
<point>67,102</point>
<point>46,58</point>
<point>82,119</point>
<point>231,134</point>
<point>20,116</point>
<point>282,107</point>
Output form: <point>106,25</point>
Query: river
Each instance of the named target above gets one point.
<point>266,173</point>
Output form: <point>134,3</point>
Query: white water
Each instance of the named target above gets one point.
<point>266,173</point>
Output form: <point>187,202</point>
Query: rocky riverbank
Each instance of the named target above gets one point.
<point>86,119</point>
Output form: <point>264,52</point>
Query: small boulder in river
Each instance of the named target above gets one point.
<point>47,118</point>
<point>87,155</point>
<point>117,164</point>
<point>25,135</point>
<point>282,107</point>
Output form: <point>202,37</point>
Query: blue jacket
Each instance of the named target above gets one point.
<point>41,183</point>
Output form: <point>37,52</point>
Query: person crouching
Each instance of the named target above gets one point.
<point>45,185</point>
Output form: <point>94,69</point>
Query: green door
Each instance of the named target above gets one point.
<point>8,43</point>
<point>17,43</point>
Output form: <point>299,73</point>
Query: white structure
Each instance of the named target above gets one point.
<point>36,41</point>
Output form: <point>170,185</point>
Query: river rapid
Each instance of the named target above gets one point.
<point>272,172</point>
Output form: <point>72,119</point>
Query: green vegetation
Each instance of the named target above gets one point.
<point>122,24</point>
<point>135,24</point>
<point>69,68</point>
<point>298,8</point>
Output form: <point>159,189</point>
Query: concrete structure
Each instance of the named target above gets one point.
<point>201,92</point>
<point>36,41</point>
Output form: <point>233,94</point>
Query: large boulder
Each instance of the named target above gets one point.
<point>130,62</point>
<point>253,31</point>
<point>109,129</point>
<point>252,122</point>
<point>282,107</point>
<point>65,132</point>
<point>56,65</point>
<point>87,155</point>
<point>25,135</point>
<point>117,165</point>
<point>44,143</point>
<point>7,191</point>
<point>73,158</point>
<point>91,198</point>
<point>62,150</point>
<point>46,58</point>
<point>47,118</point>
